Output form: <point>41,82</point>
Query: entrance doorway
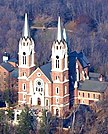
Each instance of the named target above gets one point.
<point>57,112</point>
<point>39,101</point>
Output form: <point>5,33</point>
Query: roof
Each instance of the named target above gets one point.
<point>46,69</point>
<point>72,63</point>
<point>93,86</point>
<point>81,57</point>
<point>94,76</point>
<point>14,73</point>
<point>72,67</point>
<point>13,60</point>
<point>83,60</point>
<point>7,66</point>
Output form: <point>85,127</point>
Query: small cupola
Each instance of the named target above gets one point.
<point>6,56</point>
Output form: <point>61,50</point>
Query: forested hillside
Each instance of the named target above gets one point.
<point>87,21</point>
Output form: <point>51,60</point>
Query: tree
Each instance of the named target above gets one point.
<point>27,122</point>
<point>3,124</point>
<point>48,123</point>
<point>7,96</point>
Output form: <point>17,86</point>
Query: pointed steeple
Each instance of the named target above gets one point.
<point>59,33</point>
<point>64,35</point>
<point>66,39</point>
<point>26,32</point>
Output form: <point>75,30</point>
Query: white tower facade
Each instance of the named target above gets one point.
<point>26,62</point>
<point>60,73</point>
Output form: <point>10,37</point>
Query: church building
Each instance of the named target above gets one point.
<point>51,86</point>
<point>46,86</point>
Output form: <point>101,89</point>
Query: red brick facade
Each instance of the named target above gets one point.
<point>48,88</point>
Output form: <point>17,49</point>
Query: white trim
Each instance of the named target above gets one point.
<point>60,96</point>
<point>58,70</point>
<point>48,96</point>
<point>57,96</point>
<point>41,72</point>
<point>65,89</point>
<point>25,66</point>
<point>55,81</point>
<point>61,105</point>
<point>22,77</point>
<point>22,101</point>
<point>87,98</point>
<point>22,92</point>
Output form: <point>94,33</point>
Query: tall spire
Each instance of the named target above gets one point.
<point>64,35</point>
<point>26,32</point>
<point>66,39</point>
<point>59,36</point>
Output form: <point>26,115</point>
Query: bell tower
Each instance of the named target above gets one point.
<point>26,61</point>
<point>60,73</point>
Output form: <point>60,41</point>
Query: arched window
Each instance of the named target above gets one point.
<point>24,58</point>
<point>57,112</point>
<point>57,90</point>
<point>88,95</point>
<point>24,73</point>
<point>57,100</point>
<point>99,96</point>
<point>24,96</point>
<point>93,96</point>
<point>57,61</point>
<point>83,94</point>
<point>47,103</point>
<point>24,86</point>
<point>38,101</point>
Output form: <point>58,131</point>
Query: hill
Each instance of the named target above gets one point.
<point>86,20</point>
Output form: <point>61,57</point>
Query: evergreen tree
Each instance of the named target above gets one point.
<point>27,122</point>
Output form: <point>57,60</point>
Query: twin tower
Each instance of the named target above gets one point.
<point>46,86</point>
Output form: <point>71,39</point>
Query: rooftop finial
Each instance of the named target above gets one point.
<point>59,30</point>
<point>26,27</point>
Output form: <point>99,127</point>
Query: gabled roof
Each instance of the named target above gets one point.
<point>7,66</point>
<point>81,57</point>
<point>93,86</point>
<point>46,69</point>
